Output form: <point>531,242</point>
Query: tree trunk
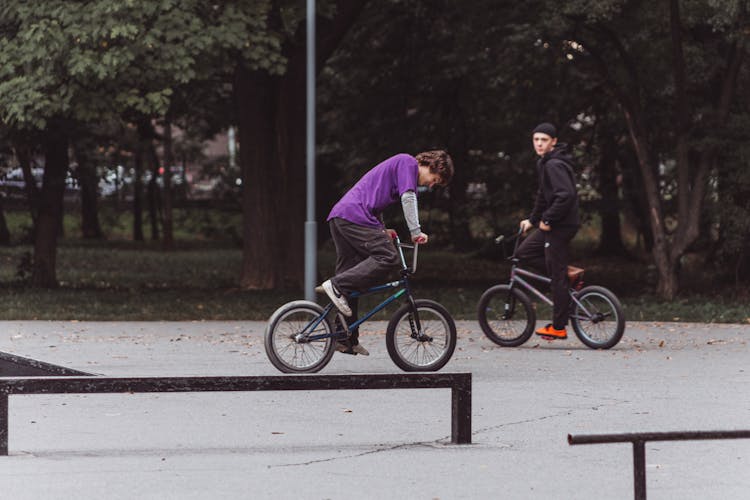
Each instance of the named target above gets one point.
<point>667,270</point>
<point>152,195</point>
<point>261,187</point>
<point>88,181</point>
<point>147,135</point>
<point>271,123</point>
<point>138,193</point>
<point>167,224</point>
<point>291,139</point>
<point>4,231</point>
<point>610,241</point>
<point>168,241</point>
<point>633,190</point>
<point>32,190</point>
<point>454,133</point>
<point>50,206</point>
<point>666,265</point>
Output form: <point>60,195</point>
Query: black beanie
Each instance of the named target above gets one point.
<point>546,128</point>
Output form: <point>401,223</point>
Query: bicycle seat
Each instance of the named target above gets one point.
<point>575,274</point>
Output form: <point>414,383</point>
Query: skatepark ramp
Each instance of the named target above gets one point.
<point>18,366</point>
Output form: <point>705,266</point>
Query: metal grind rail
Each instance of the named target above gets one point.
<point>639,440</point>
<point>459,383</point>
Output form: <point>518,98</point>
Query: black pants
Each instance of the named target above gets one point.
<point>548,250</point>
<point>365,256</point>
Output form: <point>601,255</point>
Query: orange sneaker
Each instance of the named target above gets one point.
<point>550,332</point>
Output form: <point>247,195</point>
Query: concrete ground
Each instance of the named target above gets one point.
<point>379,444</point>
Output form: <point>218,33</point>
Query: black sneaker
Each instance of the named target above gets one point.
<point>346,347</point>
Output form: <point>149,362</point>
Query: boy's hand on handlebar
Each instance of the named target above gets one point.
<point>420,238</point>
<point>392,234</point>
<point>525,225</point>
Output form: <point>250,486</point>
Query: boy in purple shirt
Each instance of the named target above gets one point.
<point>365,253</point>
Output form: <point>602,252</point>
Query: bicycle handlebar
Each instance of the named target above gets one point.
<point>415,247</point>
<point>516,237</point>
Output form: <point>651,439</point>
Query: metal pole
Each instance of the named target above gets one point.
<point>310,224</point>
<point>461,411</point>
<point>639,470</point>
<point>3,423</point>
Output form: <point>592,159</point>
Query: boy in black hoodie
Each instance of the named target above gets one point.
<point>556,214</point>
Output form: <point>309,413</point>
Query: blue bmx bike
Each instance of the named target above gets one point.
<point>301,336</point>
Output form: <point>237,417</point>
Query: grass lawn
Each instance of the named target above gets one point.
<point>121,280</point>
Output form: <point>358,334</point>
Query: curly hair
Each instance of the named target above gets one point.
<point>439,162</point>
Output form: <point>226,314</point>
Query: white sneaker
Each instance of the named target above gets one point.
<point>337,298</point>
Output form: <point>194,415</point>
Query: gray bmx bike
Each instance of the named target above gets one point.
<point>508,316</point>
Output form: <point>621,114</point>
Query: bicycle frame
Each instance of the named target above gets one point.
<point>402,285</point>
<point>515,277</point>
<point>517,274</point>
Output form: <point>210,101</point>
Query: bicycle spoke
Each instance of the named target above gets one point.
<point>596,318</point>
<point>296,354</point>
<point>422,353</point>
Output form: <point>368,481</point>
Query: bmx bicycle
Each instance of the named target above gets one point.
<point>508,316</point>
<point>301,335</point>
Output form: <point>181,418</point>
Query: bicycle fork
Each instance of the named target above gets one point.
<point>510,304</point>
<point>594,317</point>
<point>415,325</point>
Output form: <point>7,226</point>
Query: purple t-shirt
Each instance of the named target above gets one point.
<point>377,189</point>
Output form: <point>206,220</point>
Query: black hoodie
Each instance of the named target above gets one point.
<point>557,198</point>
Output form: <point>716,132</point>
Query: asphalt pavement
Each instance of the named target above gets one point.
<point>375,444</point>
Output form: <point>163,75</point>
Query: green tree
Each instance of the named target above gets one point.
<point>67,62</point>
<point>672,70</point>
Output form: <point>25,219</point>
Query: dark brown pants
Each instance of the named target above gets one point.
<point>365,257</point>
<point>548,251</point>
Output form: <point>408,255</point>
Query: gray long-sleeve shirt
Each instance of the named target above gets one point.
<point>409,205</point>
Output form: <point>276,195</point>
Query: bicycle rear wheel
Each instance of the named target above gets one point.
<point>288,348</point>
<point>429,351</point>
<point>507,318</point>
<point>598,320</point>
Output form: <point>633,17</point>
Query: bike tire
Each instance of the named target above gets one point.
<point>510,332</point>
<point>591,324</point>
<point>287,354</point>
<point>409,353</point>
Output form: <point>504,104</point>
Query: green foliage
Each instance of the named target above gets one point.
<point>85,60</point>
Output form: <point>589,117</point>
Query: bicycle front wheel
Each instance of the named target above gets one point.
<point>428,350</point>
<point>506,316</point>
<point>597,318</point>
<point>292,351</point>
